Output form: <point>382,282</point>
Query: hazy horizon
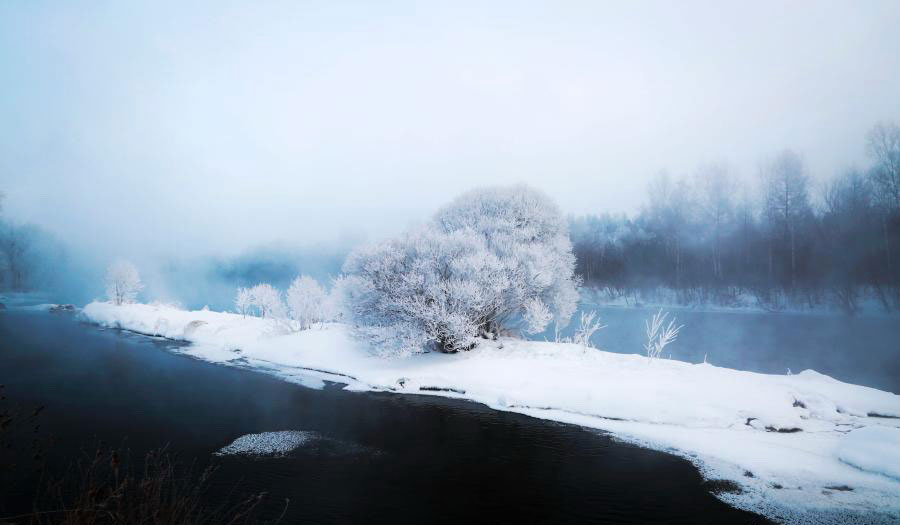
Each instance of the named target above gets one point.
<point>164,129</point>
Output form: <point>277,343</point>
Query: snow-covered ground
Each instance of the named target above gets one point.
<point>803,448</point>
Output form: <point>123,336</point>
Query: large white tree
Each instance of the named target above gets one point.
<point>493,260</point>
<point>123,282</point>
<point>529,237</point>
<point>431,286</point>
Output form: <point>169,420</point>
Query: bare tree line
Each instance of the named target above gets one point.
<point>710,237</point>
<point>30,258</point>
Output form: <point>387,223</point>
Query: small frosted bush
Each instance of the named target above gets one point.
<point>659,334</point>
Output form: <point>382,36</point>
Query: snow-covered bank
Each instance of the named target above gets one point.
<point>794,444</point>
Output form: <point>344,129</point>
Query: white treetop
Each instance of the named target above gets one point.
<point>243,301</point>
<point>267,301</point>
<point>123,282</point>
<point>306,301</point>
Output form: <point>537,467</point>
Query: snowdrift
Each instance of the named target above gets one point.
<point>801,447</point>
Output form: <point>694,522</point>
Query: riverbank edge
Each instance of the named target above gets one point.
<point>757,493</point>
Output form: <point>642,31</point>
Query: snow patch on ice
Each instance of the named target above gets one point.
<point>267,443</point>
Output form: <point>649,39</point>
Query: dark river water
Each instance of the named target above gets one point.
<point>382,458</point>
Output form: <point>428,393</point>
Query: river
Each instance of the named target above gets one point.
<point>380,457</point>
<point>863,350</point>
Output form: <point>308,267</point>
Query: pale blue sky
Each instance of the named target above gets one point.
<point>161,127</point>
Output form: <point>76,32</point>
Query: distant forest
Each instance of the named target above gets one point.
<point>30,257</point>
<point>708,237</point>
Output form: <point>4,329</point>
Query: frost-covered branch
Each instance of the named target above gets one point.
<point>536,316</point>
<point>589,323</point>
<point>659,334</point>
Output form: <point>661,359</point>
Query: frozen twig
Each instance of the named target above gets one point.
<point>659,334</point>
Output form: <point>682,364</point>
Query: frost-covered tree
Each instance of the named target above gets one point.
<point>526,233</point>
<point>340,300</point>
<point>267,301</point>
<point>431,286</point>
<point>492,260</point>
<point>669,215</point>
<point>15,244</point>
<point>787,201</point>
<point>123,282</point>
<point>243,301</point>
<point>306,301</point>
<point>884,146</point>
<point>716,188</point>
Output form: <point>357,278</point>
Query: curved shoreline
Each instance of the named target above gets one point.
<point>722,448</point>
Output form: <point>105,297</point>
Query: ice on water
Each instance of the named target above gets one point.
<point>267,443</point>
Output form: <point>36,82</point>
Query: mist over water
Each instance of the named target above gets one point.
<point>860,350</point>
<point>190,281</point>
<point>212,281</point>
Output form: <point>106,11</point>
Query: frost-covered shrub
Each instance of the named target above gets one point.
<point>243,301</point>
<point>340,300</point>
<point>536,316</point>
<point>493,260</point>
<point>659,334</point>
<point>588,325</point>
<point>123,282</point>
<point>306,301</point>
<point>396,340</point>
<point>334,307</point>
<point>432,284</point>
<point>264,300</point>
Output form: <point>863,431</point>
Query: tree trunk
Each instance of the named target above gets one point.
<point>677,264</point>
<point>793,261</point>
<point>887,248</point>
